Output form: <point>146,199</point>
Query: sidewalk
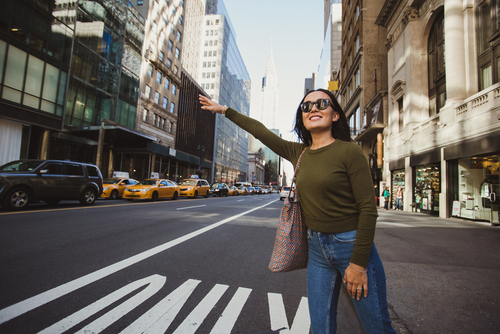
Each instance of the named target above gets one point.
<point>443,275</point>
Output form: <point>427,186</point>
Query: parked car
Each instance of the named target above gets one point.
<point>284,193</point>
<point>219,189</point>
<point>233,191</point>
<point>242,191</point>
<point>152,189</point>
<point>251,190</point>
<point>194,188</point>
<point>114,187</point>
<point>23,182</point>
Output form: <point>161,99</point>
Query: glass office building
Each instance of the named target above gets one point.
<point>228,85</point>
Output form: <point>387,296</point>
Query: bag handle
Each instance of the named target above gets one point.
<point>294,175</point>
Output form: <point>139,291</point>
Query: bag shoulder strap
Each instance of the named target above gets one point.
<point>295,172</point>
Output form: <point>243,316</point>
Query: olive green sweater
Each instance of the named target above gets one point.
<point>334,185</point>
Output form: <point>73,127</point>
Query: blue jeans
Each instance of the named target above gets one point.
<point>399,203</point>
<point>329,256</point>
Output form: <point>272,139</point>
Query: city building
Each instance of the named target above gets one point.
<point>223,75</point>
<point>193,32</point>
<point>363,79</point>
<point>256,168</point>
<point>442,140</point>
<point>35,57</point>
<point>269,95</point>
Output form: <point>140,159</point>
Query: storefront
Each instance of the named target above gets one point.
<point>474,178</point>
<point>398,180</point>
<point>426,181</point>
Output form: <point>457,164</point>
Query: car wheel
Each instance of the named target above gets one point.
<point>207,194</point>
<point>195,194</point>
<point>227,193</point>
<point>88,197</point>
<point>17,199</point>
<point>114,195</point>
<point>52,202</point>
<point>176,196</point>
<point>154,196</point>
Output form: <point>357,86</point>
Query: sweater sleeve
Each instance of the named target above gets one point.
<point>284,148</point>
<point>362,188</point>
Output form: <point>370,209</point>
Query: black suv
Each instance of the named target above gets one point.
<point>219,189</point>
<point>23,182</point>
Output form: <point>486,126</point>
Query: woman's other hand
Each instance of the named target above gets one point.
<point>357,281</point>
<point>207,104</point>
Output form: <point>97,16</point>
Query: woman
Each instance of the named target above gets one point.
<point>399,199</point>
<point>336,195</point>
<point>387,198</point>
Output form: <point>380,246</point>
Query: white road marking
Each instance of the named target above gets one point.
<point>29,304</point>
<point>228,318</point>
<point>160,316</point>
<point>154,284</point>
<point>191,207</point>
<point>279,321</point>
<point>240,200</point>
<point>200,312</point>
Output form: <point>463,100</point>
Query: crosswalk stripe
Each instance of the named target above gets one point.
<point>279,322</point>
<point>226,322</point>
<point>160,316</point>
<point>200,312</point>
<point>154,284</point>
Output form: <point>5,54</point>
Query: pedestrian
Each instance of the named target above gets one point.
<point>387,197</point>
<point>399,199</point>
<point>375,187</point>
<point>336,195</point>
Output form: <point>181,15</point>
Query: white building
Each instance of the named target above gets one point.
<point>269,95</point>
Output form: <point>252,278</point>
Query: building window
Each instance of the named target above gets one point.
<point>355,121</point>
<point>171,127</point>
<point>165,102</point>
<point>155,119</point>
<point>169,63</point>
<point>154,26</point>
<point>145,116</point>
<point>357,44</point>
<point>157,97</point>
<point>161,57</point>
<point>150,70</point>
<point>167,83</point>
<point>177,53</point>
<point>140,2</point>
<point>487,29</point>
<point>401,114</point>
<point>158,77</point>
<point>172,107</point>
<point>174,89</point>
<point>176,70</point>
<point>170,45</point>
<point>148,92</point>
<point>358,78</point>
<point>180,20</point>
<point>179,35</point>
<point>436,65</point>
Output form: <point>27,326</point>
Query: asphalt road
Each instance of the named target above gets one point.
<point>200,266</point>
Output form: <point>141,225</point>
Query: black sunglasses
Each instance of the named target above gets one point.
<point>321,104</point>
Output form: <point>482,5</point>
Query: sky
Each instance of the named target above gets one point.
<point>294,28</point>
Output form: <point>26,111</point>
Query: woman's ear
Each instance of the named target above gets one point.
<point>335,117</point>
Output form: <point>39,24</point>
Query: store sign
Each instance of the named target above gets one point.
<point>456,208</point>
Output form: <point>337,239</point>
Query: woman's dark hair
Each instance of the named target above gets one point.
<point>340,128</point>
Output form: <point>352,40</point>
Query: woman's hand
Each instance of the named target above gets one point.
<point>357,281</point>
<point>207,104</point>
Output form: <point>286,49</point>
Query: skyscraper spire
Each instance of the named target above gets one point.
<point>269,95</point>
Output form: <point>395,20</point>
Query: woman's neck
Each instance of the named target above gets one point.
<point>322,139</point>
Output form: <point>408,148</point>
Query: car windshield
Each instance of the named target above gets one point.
<point>216,185</point>
<point>148,183</point>
<point>24,166</point>
<point>111,181</point>
<point>286,188</point>
<point>188,183</point>
<point>241,188</point>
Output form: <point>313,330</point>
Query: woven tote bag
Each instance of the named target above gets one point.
<point>290,247</point>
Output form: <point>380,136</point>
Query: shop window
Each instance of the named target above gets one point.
<point>398,181</point>
<point>436,65</point>
<point>427,188</point>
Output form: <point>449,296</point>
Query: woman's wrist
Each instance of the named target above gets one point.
<point>362,270</point>
<point>224,108</point>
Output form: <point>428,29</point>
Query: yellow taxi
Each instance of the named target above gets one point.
<point>194,188</point>
<point>113,187</point>
<point>233,191</point>
<point>242,191</point>
<point>152,189</point>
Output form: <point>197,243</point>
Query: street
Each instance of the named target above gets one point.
<point>200,266</point>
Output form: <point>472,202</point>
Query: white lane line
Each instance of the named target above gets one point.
<point>160,316</point>
<point>29,304</point>
<point>231,313</point>
<point>279,322</point>
<point>200,312</point>
<point>240,200</point>
<point>191,207</point>
<point>154,284</point>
